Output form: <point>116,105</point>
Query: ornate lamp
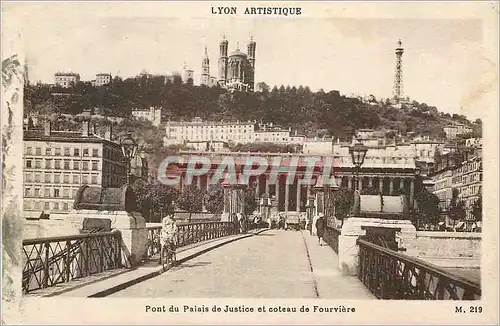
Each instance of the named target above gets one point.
<point>358,154</point>
<point>129,148</point>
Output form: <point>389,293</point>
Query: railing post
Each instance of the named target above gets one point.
<point>45,282</point>
<point>68,259</point>
<point>118,239</point>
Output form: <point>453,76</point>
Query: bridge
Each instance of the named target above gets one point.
<point>117,255</point>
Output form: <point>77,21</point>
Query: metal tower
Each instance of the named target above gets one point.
<point>398,77</point>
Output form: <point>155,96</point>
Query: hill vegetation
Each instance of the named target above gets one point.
<point>310,113</point>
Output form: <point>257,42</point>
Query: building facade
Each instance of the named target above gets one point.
<point>199,130</point>
<point>153,115</point>
<point>453,130</point>
<point>237,70</point>
<point>66,79</point>
<point>57,163</point>
<point>102,79</point>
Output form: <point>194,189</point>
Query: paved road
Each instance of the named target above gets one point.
<point>273,264</point>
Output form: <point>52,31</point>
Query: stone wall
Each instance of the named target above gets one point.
<point>447,249</point>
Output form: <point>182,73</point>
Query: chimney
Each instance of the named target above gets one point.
<point>108,132</point>
<point>47,128</point>
<point>86,129</point>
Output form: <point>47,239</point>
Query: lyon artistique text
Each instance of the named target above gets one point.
<point>277,11</point>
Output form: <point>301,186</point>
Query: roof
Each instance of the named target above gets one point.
<point>237,53</point>
<point>67,74</point>
<point>63,137</point>
<point>103,74</point>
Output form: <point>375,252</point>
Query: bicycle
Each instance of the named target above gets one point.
<point>167,255</point>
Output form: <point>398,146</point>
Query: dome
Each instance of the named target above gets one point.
<point>237,53</point>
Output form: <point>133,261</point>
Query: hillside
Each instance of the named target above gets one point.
<point>310,113</point>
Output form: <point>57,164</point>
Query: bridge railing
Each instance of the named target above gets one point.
<point>190,233</point>
<point>55,260</point>
<point>392,275</point>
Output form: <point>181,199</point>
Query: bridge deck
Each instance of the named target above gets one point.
<point>273,264</point>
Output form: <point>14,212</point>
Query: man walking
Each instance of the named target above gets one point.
<point>320,228</point>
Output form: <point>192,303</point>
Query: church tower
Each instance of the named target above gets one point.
<point>251,52</point>
<point>223,61</point>
<point>205,69</point>
<point>251,60</point>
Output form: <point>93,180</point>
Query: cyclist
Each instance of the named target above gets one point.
<point>168,237</point>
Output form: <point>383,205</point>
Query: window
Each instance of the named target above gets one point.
<point>66,151</point>
<point>38,205</point>
<point>85,152</point>
<point>94,165</point>
<point>66,164</point>
<point>57,178</point>
<point>37,177</point>
<point>27,205</point>
<point>94,179</point>
<point>85,165</point>
<point>48,163</point>
<point>58,151</point>
<point>66,178</point>
<point>46,205</point>
<point>65,207</point>
<point>76,152</point>
<point>74,192</point>
<point>65,193</point>
<point>56,193</point>
<point>75,179</point>
<point>47,177</point>
<point>27,192</point>
<point>37,192</point>
<point>95,152</point>
<point>48,151</point>
<point>76,165</point>
<point>56,206</point>
<point>38,151</point>
<point>28,177</point>
<point>46,192</point>
<point>57,164</point>
<point>85,179</point>
<point>38,164</point>
<point>29,150</point>
<point>28,163</point>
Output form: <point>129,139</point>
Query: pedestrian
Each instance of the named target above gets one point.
<point>320,228</point>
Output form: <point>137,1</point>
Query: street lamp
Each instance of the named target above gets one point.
<point>129,147</point>
<point>358,154</point>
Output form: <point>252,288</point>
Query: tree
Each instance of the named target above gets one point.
<point>456,210</point>
<point>250,201</point>
<point>342,199</point>
<point>427,206</point>
<point>214,199</point>
<point>154,200</point>
<point>191,200</point>
<point>477,209</point>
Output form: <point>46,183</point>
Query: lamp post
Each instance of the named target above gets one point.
<point>129,148</point>
<point>358,154</point>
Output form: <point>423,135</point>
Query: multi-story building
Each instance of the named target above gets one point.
<point>467,177</point>
<point>66,79</point>
<point>272,134</point>
<point>199,130</point>
<point>102,79</point>
<point>237,70</point>
<point>323,146</point>
<point>153,115</point>
<point>57,163</point>
<point>453,130</point>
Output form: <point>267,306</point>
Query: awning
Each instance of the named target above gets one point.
<point>440,223</point>
<point>459,225</point>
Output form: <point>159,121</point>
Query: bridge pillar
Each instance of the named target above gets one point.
<point>381,212</point>
<point>234,201</point>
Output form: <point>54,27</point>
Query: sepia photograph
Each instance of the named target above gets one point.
<point>284,162</point>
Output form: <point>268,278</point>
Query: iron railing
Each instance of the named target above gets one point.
<point>392,275</point>
<point>54,260</point>
<point>190,233</point>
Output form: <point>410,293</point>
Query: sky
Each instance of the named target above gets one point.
<point>445,63</point>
